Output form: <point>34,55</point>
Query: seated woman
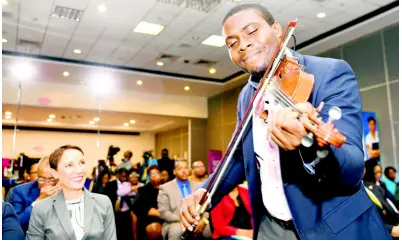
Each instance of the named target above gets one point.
<point>146,206</point>
<point>127,192</point>
<point>231,218</point>
<point>73,213</point>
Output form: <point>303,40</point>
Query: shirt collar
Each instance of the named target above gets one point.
<point>288,53</point>
<point>180,182</point>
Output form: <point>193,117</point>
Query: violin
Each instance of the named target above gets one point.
<point>289,84</point>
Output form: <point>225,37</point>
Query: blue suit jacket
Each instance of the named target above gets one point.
<point>11,226</point>
<point>332,202</point>
<point>21,199</point>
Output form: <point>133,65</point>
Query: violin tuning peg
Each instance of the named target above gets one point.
<point>335,113</point>
<point>307,140</point>
<point>322,153</point>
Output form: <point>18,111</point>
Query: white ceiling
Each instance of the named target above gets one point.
<point>108,38</point>
<point>79,119</point>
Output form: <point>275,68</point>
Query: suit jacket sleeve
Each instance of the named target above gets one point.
<point>36,228</point>
<point>343,166</point>
<point>23,212</point>
<point>109,232</point>
<point>235,173</point>
<point>11,226</point>
<point>164,206</point>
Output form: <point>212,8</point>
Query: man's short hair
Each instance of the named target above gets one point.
<point>178,161</point>
<point>122,170</point>
<point>371,119</point>
<point>259,9</point>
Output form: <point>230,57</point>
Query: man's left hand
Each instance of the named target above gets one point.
<point>284,127</point>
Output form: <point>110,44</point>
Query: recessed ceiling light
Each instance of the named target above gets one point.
<point>187,88</point>
<point>49,120</point>
<point>8,113</point>
<point>212,70</point>
<point>5,40</point>
<point>148,28</point>
<point>214,40</point>
<point>126,124</point>
<point>92,122</point>
<point>159,63</point>
<point>4,2</point>
<point>195,37</point>
<point>65,73</point>
<point>8,117</point>
<point>139,82</point>
<point>77,51</point>
<point>52,116</point>
<point>102,8</point>
<point>132,122</point>
<point>82,82</point>
<point>321,15</point>
<point>96,119</point>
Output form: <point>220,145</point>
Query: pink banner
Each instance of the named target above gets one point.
<point>214,157</point>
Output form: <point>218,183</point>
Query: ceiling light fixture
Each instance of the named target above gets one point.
<point>126,124</point>
<point>159,63</point>
<point>49,120</point>
<point>4,2</point>
<point>139,82</point>
<point>65,73</point>
<point>132,121</point>
<point>187,88</point>
<point>102,8</point>
<point>4,40</point>
<point>23,70</point>
<point>52,116</point>
<point>92,122</point>
<point>77,51</point>
<point>195,37</point>
<point>8,113</point>
<point>212,70</point>
<point>148,28</point>
<point>321,15</point>
<point>214,40</point>
<point>96,119</point>
<point>8,117</point>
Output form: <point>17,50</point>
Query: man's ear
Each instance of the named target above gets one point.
<point>55,174</point>
<point>277,29</point>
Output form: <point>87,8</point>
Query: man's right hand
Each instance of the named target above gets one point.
<point>188,210</point>
<point>48,191</point>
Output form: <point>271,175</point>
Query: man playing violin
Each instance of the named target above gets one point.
<point>290,198</point>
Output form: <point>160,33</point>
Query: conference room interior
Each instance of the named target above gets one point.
<point>153,75</point>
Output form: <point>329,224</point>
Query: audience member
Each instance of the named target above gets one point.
<point>74,213</point>
<point>98,169</point>
<point>126,161</point>
<point>391,182</point>
<point>25,196</point>
<point>126,192</point>
<point>378,194</point>
<point>165,163</point>
<point>111,191</point>
<point>32,171</point>
<point>146,206</point>
<point>169,201</point>
<point>11,226</point>
<point>164,176</point>
<point>232,216</point>
<point>199,172</point>
<point>100,184</point>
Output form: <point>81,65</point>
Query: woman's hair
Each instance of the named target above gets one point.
<point>369,176</point>
<point>58,153</point>
<point>152,167</point>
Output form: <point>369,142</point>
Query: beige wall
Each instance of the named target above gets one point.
<point>176,141</point>
<point>222,111</point>
<point>199,151</point>
<point>49,141</point>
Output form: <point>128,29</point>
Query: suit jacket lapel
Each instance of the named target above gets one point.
<point>176,193</point>
<point>63,215</point>
<point>89,205</point>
